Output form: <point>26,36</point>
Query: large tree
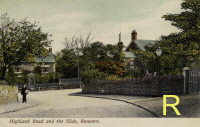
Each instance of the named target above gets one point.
<point>67,64</point>
<point>179,49</point>
<point>20,41</point>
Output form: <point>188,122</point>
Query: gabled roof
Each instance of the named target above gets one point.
<point>48,59</point>
<point>129,54</point>
<point>142,43</point>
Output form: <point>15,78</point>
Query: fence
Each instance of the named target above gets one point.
<point>42,86</point>
<point>194,82</point>
<point>62,84</point>
<point>70,83</point>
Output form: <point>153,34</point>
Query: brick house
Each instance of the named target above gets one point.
<point>135,44</point>
<point>47,64</point>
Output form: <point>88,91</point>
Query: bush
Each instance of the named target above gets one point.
<point>3,83</point>
<point>46,78</point>
<point>37,70</point>
<point>11,79</point>
<point>134,73</point>
<point>88,75</point>
<point>112,77</point>
<point>128,77</point>
<point>52,77</point>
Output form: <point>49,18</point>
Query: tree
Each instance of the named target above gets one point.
<point>185,43</point>
<point>183,47</point>
<point>111,60</point>
<point>67,63</point>
<point>77,44</point>
<point>20,41</point>
<point>179,49</point>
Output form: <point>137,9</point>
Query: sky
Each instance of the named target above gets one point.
<point>105,19</point>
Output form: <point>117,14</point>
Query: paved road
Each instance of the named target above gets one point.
<point>59,103</point>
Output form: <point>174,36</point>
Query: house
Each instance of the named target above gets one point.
<point>47,64</point>
<point>135,44</point>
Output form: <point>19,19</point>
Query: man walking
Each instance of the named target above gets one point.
<point>24,93</point>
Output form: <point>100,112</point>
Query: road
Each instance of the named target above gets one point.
<point>59,103</point>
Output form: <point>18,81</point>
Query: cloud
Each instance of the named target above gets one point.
<point>64,25</point>
<point>105,19</point>
<point>151,27</point>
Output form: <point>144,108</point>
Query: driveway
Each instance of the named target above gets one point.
<point>61,103</point>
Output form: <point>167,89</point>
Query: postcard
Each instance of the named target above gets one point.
<point>100,63</point>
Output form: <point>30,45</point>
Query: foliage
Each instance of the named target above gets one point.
<point>134,73</point>
<point>88,75</point>
<point>111,60</point>
<point>111,67</point>
<point>112,77</point>
<point>24,78</point>
<point>52,77</point>
<point>20,41</point>
<point>3,83</point>
<point>66,64</point>
<point>179,49</point>
<point>37,70</point>
<point>46,78</point>
<point>83,54</point>
<point>14,79</point>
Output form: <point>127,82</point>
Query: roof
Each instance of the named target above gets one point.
<point>129,54</point>
<point>48,59</point>
<point>142,43</point>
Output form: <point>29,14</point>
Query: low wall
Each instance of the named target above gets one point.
<point>70,86</point>
<point>8,94</point>
<point>144,87</point>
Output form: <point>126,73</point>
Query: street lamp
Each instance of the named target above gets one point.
<point>79,54</point>
<point>158,53</point>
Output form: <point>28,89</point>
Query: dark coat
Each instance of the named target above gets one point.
<point>23,91</point>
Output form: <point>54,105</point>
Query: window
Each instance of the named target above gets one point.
<point>45,69</point>
<point>131,62</point>
<point>17,69</point>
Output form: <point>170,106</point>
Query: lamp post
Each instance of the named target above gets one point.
<point>158,53</point>
<point>79,54</point>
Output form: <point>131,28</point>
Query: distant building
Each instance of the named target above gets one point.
<point>47,64</point>
<point>135,44</point>
<point>129,60</point>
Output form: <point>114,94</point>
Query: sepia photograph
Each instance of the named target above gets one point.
<point>83,62</point>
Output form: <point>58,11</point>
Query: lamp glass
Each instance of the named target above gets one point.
<point>159,51</point>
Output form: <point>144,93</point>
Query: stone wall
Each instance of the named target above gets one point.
<point>70,86</point>
<point>8,94</point>
<point>144,87</point>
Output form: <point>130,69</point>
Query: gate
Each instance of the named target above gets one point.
<point>194,82</point>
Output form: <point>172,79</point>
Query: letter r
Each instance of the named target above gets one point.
<point>170,105</point>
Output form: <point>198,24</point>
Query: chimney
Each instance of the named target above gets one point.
<point>120,37</point>
<point>133,35</point>
<point>50,50</point>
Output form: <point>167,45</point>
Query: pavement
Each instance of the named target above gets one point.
<point>189,106</point>
<point>17,106</point>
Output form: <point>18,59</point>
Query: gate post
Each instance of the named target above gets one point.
<point>186,71</point>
